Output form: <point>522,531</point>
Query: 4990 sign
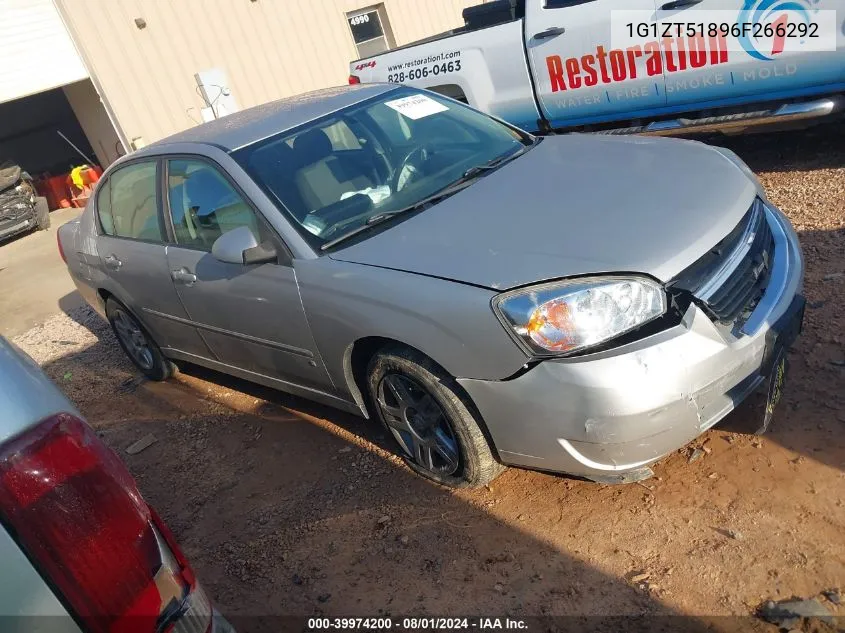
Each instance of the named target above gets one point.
<point>425,71</point>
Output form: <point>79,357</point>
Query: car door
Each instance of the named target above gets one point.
<point>748,68</point>
<point>132,254</point>
<point>251,316</point>
<point>580,77</point>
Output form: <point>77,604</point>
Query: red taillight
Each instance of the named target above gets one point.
<point>354,80</point>
<point>77,513</point>
<point>61,250</point>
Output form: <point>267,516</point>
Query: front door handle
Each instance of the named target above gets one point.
<point>112,262</point>
<point>183,276</point>
<point>679,4</point>
<point>552,31</point>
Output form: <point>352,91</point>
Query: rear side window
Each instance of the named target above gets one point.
<point>128,205</point>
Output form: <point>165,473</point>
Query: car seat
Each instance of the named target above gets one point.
<point>324,176</point>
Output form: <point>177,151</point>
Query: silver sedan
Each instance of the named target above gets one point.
<point>579,304</point>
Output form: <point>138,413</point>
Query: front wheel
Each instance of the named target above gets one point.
<point>138,345</point>
<point>42,214</point>
<point>422,407</point>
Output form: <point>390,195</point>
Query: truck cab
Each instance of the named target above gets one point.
<point>633,65</point>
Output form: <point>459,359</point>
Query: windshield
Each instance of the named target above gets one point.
<point>333,175</point>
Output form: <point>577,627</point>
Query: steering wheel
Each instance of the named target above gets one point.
<point>410,168</point>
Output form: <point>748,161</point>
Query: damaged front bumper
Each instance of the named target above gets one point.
<point>17,212</point>
<point>607,416</point>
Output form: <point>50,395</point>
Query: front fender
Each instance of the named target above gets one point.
<point>452,323</point>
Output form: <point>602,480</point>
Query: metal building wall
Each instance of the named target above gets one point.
<point>268,48</point>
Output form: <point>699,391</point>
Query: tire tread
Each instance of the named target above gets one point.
<point>480,465</point>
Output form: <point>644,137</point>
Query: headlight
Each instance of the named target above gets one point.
<point>570,316</point>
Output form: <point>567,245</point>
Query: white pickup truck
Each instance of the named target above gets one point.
<point>634,66</point>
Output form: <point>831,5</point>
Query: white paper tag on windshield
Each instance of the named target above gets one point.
<point>416,106</point>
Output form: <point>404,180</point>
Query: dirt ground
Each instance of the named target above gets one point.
<point>34,278</point>
<point>286,507</point>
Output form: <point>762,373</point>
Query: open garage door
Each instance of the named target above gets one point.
<point>36,51</point>
<point>52,119</point>
<point>50,133</point>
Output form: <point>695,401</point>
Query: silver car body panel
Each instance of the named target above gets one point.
<point>26,395</point>
<point>624,408</point>
<point>575,205</point>
<point>428,314</point>
<point>27,604</point>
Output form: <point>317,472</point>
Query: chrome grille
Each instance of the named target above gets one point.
<point>732,277</point>
<point>744,287</point>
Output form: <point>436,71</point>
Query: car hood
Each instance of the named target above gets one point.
<point>573,205</point>
<point>9,176</point>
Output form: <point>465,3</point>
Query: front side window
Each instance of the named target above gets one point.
<point>204,205</point>
<point>128,206</point>
<point>385,154</point>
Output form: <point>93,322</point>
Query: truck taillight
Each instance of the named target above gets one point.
<point>77,513</point>
<point>61,250</point>
<point>353,80</point>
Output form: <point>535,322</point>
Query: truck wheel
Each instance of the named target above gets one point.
<point>42,214</point>
<point>137,343</point>
<point>421,405</point>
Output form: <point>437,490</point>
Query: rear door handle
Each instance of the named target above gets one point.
<point>553,31</point>
<point>679,4</point>
<point>112,262</point>
<point>183,276</point>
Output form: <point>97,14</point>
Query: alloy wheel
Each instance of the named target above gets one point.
<point>418,424</point>
<point>133,339</point>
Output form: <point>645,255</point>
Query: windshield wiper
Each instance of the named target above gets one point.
<point>378,218</point>
<point>462,183</point>
<point>494,164</point>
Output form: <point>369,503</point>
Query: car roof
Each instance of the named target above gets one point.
<point>254,124</point>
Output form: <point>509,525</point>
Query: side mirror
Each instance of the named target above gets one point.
<point>239,246</point>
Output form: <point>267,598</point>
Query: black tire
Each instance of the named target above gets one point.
<point>42,214</point>
<point>476,463</point>
<point>153,365</point>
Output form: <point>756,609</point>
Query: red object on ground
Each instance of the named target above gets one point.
<point>54,189</point>
<point>90,176</point>
<point>64,203</point>
<point>78,196</point>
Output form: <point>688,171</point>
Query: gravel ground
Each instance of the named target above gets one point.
<point>286,507</point>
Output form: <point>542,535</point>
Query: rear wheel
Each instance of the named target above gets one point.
<point>42,214</point>
<point>136,343</point>
<point>422,407</point>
